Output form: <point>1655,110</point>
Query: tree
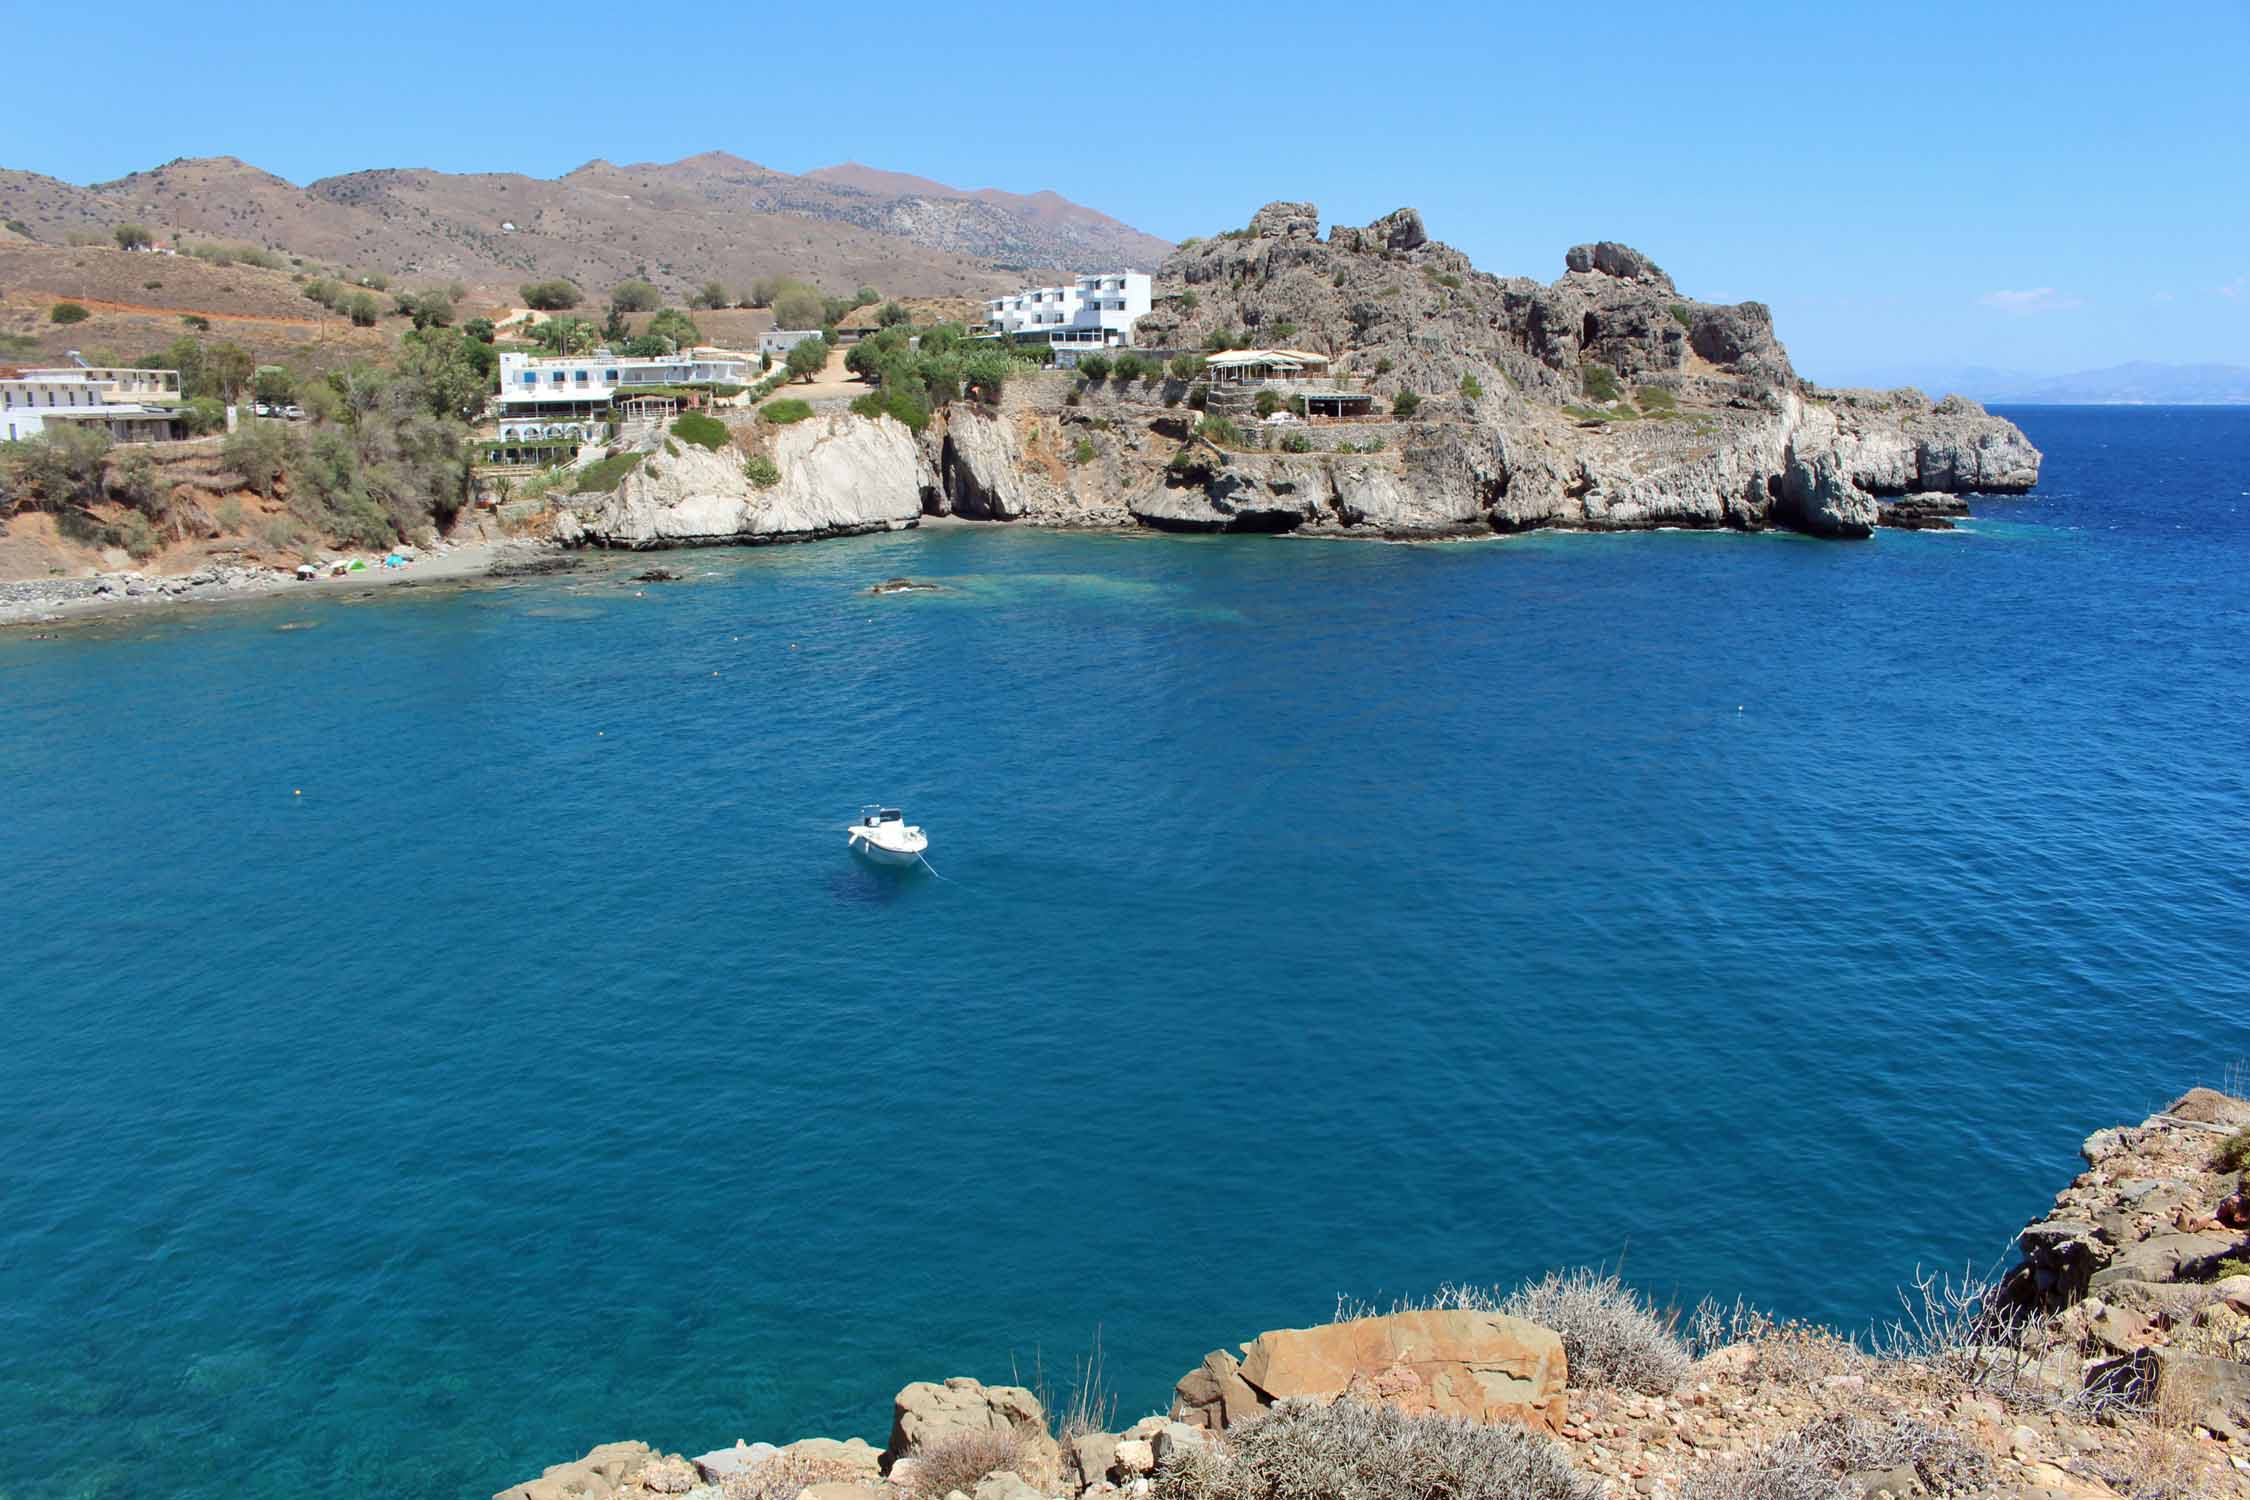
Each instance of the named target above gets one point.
<point>808,357</point>
<point>892,315</point>
<point>133,237</point>
<point>550,296</point>
<point>1406,404</point>
<point>712,294</point>
<point>430,308</point>
<point>480,329</point>
<point>647,346</point>
<point>447,373</point>
<point>363,310</point>
<point>866,296</point>
<point>634,296</point>
<point>797,306</point>
<point>228,367</point>
<point>671,323</point>
<point>614,327</point>
<point>273,385</point>
<point>67,312</point>
<point>565,335</point>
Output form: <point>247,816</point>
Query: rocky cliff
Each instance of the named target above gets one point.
<point>1604,400</point>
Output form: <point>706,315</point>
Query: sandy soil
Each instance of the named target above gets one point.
<point>832,382</point>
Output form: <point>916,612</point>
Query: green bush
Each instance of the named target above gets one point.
<point>1188,366</point>
<point>634,296</point>
<point>703,431</point>
<point>229,514</point>
<point>196,321</point>
<point>1083,453</point>
<point>1656,401</point>
<point>1296,442</point>
<point>1268,402</point>
<point>363,309</point>
<point>899,401</point>
<point>2233,1154</point>
<point>557,295</point>
<point>1448,280</point>
<point>788,409</point>
<point>761,471</point>
<point>1600,382</point>
<point>1681,315</point>
<point>1094,367</point>
<point>1472,389</point>
<point>1383,365</point>
<point>601,477</point>
<point>205,415</point>
<point>1406,404</point>
<point>1221,431</point>
<point>807,357</point>
<point>1282,333</point>
<point>67,312</point>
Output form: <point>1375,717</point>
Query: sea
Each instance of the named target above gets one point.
<point>445,1030</point>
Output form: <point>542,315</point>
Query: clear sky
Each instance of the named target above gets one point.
<point>2036,187</point>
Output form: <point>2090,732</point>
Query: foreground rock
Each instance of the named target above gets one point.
<point>928,1414</point>
<point>1485,1367</point>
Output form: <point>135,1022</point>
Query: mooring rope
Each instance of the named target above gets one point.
<point>925,859</point>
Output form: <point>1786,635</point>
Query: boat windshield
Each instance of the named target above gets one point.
<point>891,815</point>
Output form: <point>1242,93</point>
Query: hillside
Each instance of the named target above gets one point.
<point>678,223</point>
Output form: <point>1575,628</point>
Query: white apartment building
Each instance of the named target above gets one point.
<point>552,389</point>
<point>131,405</point>
<point>1096,312</point>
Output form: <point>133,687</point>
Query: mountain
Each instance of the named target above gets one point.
<point>678,223</point>
<point>2137,383</point>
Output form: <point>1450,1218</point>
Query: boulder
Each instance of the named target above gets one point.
<point>720,1462</point>
<point>927,1413</point>
<point>1486,1367</point>
<point>668,1476</point>
<point>1399,230</point>
<point>1007,1485</point>
<point>855,1454</point>
<point>600,1475</point>
<point>1214,1394</point>
<point>2210,1107</point>
<point>1089,1458</point>
<point>1174,1440</point>
<point>1296,221</point>
<point>2165,1257</point>
<point>1135,1456</point>
<point>1608,258</point>
<point>1818,497</point>
<point>2202,1389</point>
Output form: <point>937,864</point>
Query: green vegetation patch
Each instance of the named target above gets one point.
<point>67,312</point>
<point>703,431</point>
<point>605,476</point>
<point>1600,382</point>
<point>788,409</point>
<point>761,471</point>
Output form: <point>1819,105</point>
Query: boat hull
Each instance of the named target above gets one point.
<point>876,853</point>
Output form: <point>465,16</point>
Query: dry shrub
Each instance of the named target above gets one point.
<point>784,1475</point>
<point>1786,1469</point>
<point>958,1463</point>
<point>1346,1451</point>
<point>1610,1336</point>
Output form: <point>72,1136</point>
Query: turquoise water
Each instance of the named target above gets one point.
<point>1772,915</point>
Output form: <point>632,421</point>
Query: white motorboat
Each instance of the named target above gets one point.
<point>883,835</point>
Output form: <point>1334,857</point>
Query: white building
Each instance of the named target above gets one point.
<point>779,341</point>
<point>1097,312</point>
<point>542,391</point>
<point>130,405</point>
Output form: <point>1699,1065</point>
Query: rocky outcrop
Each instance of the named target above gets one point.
<point>1609,258</point>
<point>840,475</point>
<point>928,1413</point>
<point>1482,1366</point>
<point>603,1474</point>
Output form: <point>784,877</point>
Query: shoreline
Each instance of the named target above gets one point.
<point>29,603</point>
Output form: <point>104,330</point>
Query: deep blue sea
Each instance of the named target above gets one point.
<point>1773,916</point>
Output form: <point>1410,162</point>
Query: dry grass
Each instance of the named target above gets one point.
<point>1346,1451</point>
<point>783,1476</point>
<point>958,1463</point>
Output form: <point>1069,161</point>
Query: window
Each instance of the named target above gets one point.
<point>530,377</point>
<point>609,377</point>
<point>581,377</point>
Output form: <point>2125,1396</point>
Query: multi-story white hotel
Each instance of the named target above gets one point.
<point>130,405</point>
<point>1097,312</point>
<point>538,390</point>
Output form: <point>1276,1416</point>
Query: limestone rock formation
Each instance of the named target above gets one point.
<point>1608,258</point>
<point>1486,1367</point>
<point>927,1413</point>
<point>601,1475</point>
<point>840,475</point>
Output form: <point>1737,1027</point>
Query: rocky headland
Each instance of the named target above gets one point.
<point>2108,1364</point>
<point>1603,400</point>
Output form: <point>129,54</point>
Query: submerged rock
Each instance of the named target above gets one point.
<point>903,586</point>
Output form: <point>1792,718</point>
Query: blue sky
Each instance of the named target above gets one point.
<point>2036,187</point>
